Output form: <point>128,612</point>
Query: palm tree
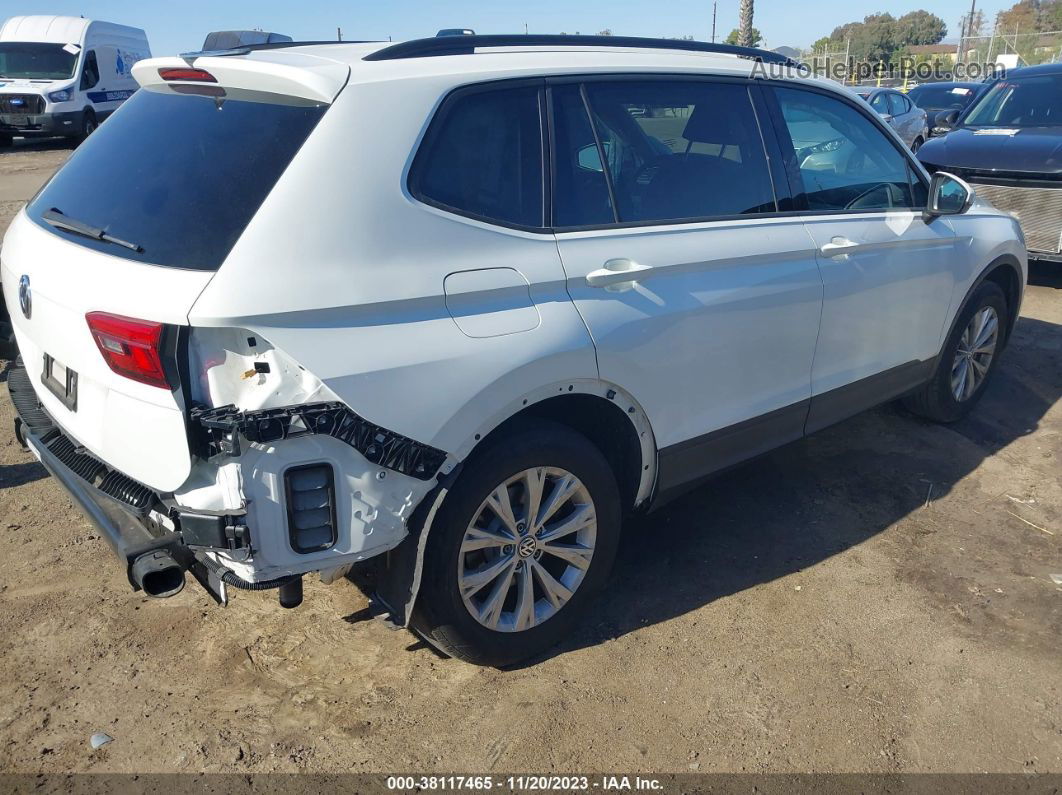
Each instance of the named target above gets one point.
<point>745,23</point>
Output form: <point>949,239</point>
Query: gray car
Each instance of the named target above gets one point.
<point>909,120</point>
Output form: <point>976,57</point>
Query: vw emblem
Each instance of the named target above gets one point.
<point>527,547</point>
<point>25,297</point>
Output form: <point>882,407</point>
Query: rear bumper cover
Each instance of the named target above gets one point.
<point>128,527</point>
<point>127,534</point>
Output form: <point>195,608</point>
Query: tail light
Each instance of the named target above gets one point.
<point>187,73</point>
<point>131,348</point>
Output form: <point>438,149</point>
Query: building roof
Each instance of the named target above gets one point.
<point>933,49</point>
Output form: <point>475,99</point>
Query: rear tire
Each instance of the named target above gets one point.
<point>537,597</point>
<point>968,359</point>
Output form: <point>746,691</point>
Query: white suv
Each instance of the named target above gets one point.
<point>460,304</point>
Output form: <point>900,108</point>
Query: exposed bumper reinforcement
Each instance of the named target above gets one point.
<point>218,431</point>
<point>126,525</point>
<point>125,531</point>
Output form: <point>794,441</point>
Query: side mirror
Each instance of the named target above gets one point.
<point>589,159</point>
<point>945,121</point>
<point>948,195</point>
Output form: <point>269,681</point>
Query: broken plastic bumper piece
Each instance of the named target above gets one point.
<point>218,432</point>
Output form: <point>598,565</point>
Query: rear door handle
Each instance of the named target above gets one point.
<point>616,271</point>
<point>838,246</point>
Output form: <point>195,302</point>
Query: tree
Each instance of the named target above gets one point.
<point>972,27</point>
<point>825,45</point>
<point>735,38</point>
<point>920,27</point>
<point>880,36</point>
<point>1052,16</point>
<point>745,37</point>
<point>1025,16</point>
<point>605,32</point>
<point>876,39</point>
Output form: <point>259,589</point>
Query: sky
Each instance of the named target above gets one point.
<point>174,27</point>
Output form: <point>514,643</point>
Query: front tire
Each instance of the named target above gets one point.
<point>525,537</point>
<point>968,360</point>
<point>88,126</point>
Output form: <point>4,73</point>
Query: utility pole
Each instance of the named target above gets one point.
<point>967,32</point>
<point>715,9</point>
<point>339,33</point>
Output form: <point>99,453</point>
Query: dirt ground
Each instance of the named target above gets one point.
<point>875,598</point>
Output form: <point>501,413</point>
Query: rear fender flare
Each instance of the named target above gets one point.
<point>399,584</point>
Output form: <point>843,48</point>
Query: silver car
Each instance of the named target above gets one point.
<point>902,115</point>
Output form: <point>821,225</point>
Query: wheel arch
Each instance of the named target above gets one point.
<point>604,413</point>
<point>608,427</point>
<point>1005,271</point>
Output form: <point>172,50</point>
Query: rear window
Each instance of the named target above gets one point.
<point>178,175</point>
<point>483,157</point>
<point>941,98</point>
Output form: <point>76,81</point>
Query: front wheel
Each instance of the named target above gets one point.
<point>968,359</point>
<point>528,533</point>
<point>88,125</point>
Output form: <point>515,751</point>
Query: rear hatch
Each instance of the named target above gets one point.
<point>101,268</point>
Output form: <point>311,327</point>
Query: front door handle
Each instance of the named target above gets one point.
<point>838,246</point>
<point>616,271</point>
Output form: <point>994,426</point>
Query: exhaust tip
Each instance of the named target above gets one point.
<point>158,574</point>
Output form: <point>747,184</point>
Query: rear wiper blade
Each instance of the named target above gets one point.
<point>55,217</point>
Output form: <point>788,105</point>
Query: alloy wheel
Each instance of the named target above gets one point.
<point>973,358</point>
<point>527,549</point>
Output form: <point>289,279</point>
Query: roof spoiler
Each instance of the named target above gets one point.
<point>244,49</point>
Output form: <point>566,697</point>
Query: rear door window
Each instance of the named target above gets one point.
<point>898,104</point>
<point>664,150</point>
<point>178,175</point>
<point>482,157</point>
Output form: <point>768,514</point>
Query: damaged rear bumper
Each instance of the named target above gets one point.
<point>251,503</point>
<point>153,546</point>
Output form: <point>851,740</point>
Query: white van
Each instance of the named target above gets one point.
<point>64,75</point>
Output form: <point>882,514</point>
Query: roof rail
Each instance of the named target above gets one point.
<point>467,45</point>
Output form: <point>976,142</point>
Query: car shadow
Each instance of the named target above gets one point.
<point>12,475</point>
<point>806,502</point>
<point>38,145</point>
<point>1045,274</point>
